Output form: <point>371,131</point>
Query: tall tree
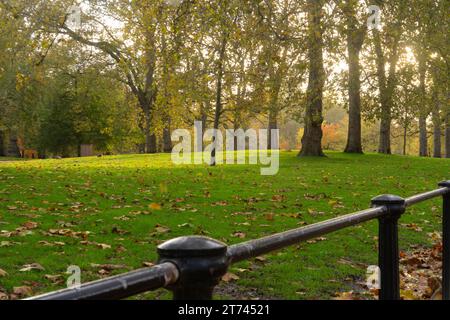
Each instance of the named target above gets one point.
<point>387,51</point>
<point>312,137</point>
<point>423,108</point>
<point>355,34</point>
<point>226,15</point>
<point>447,134</point>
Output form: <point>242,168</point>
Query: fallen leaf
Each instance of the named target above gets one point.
<point>54,278</point>
<point>228,277</point>
<point>103,246</point>
<point>345,296</point>
<point>278,198</point>
<point>31,267</point>
<point>23,291</point>
<point>155,206</point>
<point>116,230</point>
<point>261,259</point>
<point>6,244</point>
<point>161,229</point>
<point>148,264</point>
<point>109,267</point>
<point>239,234</point>
<point>30,225</point>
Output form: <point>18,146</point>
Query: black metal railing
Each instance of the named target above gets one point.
<point>191,267</point>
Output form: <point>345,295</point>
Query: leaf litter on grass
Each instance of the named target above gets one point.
<point>420,275</point>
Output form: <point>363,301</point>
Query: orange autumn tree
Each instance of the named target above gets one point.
<point>333,136</point>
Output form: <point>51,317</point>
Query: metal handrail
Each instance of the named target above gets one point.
<point>255,248</point>
<point>120,286</point>
<point>425,196</point>
<point>192,266</point>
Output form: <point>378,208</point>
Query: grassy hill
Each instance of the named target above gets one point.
<point>102,213</point>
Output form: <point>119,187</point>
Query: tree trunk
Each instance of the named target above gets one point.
<point>354,144</point>
<point>385,123</point>
<point>2,144</point>
<point>273,125</point>
<point>355,40</point>
<point>13,147</point>
<point>148,94</point>
<point>386,88</point>
<point>167,138</point>
<point>312,138</point>
<point>385,132</point>
<point>437,145</point>
<point>437,152</point>
<point>274,108</point>
<point>204,114</point>
<point>423,113</point>
<point>405,136</point>
<point>150,138</point>
<point>423,139</point>
<point>218,111</point>
<point>447,135</point>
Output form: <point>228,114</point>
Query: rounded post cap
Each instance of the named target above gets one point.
<point>445,184</point>
<point>388,199</point>
<point>193,246</point>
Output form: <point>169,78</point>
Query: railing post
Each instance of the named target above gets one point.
<point>388,252</point>
<point>201,263</point>
<point>446,242</point>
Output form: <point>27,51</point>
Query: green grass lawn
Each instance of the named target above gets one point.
<point>116,210</point>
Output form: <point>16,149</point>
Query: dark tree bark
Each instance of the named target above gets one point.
<point>204,114</point>
<point>437,133</point>
<point>386,88</point>
<point>170,61</point>
<point>406,125</point>
<point>218,111</point>
<point>447,135</point>
<point>150,92</point>
<point>273,125</point>
<point>437,143</point>
<point>167,137</point>
<point>423,112</point>
<point>13,147</point>
<point>355,40</point>
<point>150,138</point>
<point>2,144</point>
<point>405,137</point>
<point>423,139</point>
<point>274,108</point>
<point>385,117</point>
<point>312,138</point>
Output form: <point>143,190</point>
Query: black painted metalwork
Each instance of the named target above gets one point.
<point>121,286</point>
<point>446,241</point>
<point>201,262</point>
<point>388,252</point>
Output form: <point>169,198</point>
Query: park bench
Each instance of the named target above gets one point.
<point>191,267</point>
